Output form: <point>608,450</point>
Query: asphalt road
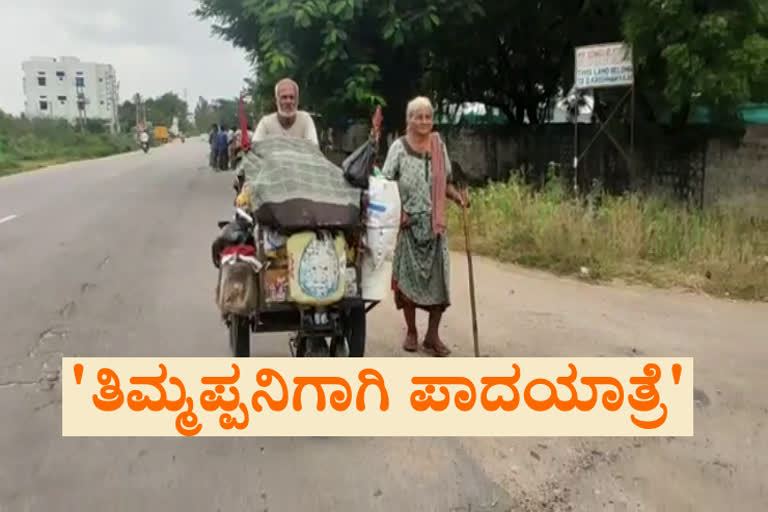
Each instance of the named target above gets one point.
<point>111,257</point>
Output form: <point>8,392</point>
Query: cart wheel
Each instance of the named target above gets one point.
<point>354,331</point>
<point>299,346</point>
<point>315,346</point>
<point>240,336</point>
<point>308,346</point>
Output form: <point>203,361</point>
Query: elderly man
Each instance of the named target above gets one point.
<point>288,121</point>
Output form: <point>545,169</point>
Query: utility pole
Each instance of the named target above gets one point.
<point>137,102</point>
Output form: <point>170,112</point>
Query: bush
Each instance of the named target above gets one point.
<point>24,141</point>
<point>643,239</point>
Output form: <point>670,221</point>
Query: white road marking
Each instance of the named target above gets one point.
<point>6,219</point>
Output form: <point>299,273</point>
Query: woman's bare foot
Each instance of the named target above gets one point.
<point>411,343</point>
<point>435,347</point>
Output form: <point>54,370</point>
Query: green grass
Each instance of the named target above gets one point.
<point>27,144</point>
<point>646,240</point>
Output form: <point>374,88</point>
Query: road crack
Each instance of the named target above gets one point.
<point>68,309</point>
<point>103,263</point>
<point>85,287</point>
<point>18,383</point>
<point>46,382</point>
<point>55,401</point>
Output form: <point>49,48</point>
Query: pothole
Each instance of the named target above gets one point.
<point>700,398</point>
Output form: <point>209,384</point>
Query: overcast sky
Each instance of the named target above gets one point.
<point>156,46</point>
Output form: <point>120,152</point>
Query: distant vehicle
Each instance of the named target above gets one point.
<point>161,134</point>
<point>144,141</point>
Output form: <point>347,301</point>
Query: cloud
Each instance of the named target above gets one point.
<point>156,46</point>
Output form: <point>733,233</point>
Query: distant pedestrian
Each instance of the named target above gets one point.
<point>222,148</point>
<point>212,142</point>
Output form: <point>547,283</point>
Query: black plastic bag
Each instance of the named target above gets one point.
<point>359,165</point>
<point>235,232</point>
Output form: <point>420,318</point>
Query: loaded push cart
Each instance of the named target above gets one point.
<point>297,256</point>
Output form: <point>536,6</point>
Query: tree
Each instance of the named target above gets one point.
<point>222,112</point>
<point>348,55</point>
<point>126,113</point>
<point>162,110</point>
<point>519,56</point>
<point>707,52</point>
<point>205,116</point>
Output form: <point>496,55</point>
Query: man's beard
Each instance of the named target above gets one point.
<point>287,114</point>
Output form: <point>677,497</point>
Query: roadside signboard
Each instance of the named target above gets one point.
<point>604,65</point>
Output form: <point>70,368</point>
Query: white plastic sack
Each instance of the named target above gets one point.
<point>376,282</point>
<point>383,222</point>
<point>383,203</point>
<point>380,245</point>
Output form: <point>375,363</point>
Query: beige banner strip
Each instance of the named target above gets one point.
<point>377,397</point>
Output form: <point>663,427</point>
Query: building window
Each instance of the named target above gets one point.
<point>43,105</point>
<point>62,99</point>
<point>79,81</point>
<point>102,102</point>
<point>41,81</point>
<point>101,79</point>
<point>60,75</point>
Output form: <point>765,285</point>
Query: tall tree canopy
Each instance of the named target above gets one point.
<point>222,112</point>
<point>349,55</point>
<point>708,52</point>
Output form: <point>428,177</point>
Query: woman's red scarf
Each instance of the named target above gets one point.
<point>439,184</point>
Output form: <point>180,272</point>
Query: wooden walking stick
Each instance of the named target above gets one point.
<point>465,211</point>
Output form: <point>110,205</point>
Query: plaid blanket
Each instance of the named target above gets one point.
<point>290,185</point>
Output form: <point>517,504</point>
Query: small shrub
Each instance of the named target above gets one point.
<point>645,239</point>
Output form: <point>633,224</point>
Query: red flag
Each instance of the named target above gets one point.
<point>246,142</point>
<point>376,122</point>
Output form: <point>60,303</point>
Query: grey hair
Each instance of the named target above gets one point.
<point>287,81</point>
<point>418,103</point>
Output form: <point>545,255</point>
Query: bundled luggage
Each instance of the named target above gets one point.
<point>291,186</point>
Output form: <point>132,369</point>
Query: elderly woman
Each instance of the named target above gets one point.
<point>420,164</point>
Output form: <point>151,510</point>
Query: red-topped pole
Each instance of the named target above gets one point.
<point>246,142</point>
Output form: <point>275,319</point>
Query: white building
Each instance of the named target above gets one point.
<point>67,88</point>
